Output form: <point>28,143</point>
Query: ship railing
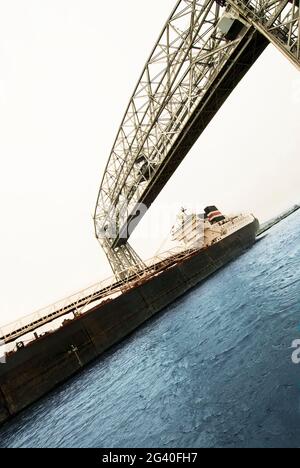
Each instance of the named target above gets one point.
<point>83,300</point>
<point>61,307</point>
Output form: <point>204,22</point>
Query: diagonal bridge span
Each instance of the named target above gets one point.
<point>204,50</point>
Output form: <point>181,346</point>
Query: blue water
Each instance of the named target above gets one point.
<point>213,370</point>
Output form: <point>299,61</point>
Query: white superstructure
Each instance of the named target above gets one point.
<point>202,230</point>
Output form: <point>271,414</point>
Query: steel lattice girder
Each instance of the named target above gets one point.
<point>124,261</point>
<point>190,73</point>
<point>277,20</point>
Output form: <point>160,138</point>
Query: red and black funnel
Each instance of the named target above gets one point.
<point>213,214</point>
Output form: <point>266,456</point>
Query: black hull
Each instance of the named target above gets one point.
<point>36,369</point>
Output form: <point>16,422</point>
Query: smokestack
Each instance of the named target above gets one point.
<point>213,214</point>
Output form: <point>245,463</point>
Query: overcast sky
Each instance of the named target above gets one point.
<point>67,70</point>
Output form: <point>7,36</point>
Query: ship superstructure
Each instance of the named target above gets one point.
<point>204,229</point>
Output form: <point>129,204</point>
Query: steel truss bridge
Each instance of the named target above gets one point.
<point>204,50</point>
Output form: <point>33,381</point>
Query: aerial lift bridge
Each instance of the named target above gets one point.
<point>204,50</point>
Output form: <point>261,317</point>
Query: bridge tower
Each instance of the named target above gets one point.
<point>124,261</point>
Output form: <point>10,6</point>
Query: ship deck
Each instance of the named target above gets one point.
<point>82,301</point>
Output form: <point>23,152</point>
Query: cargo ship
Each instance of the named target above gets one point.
<point>104,316</point>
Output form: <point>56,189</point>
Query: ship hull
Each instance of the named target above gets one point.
<point>33,371</point>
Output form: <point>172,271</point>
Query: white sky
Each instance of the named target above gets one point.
<point>67,70</point>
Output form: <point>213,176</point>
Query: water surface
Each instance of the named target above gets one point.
<point>213,370</point>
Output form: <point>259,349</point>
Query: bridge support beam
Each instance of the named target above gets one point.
<point>124,261</point>
<point>277,20</point>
